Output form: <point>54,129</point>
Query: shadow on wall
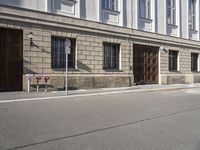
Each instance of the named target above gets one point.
<point>28,71</point>
<point>33,85</point>
<point>40,48</point>
<point>83,66</point>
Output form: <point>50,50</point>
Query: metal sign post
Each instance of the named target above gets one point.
<point>67,50</point>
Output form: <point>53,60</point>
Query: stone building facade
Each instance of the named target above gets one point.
<point>90,39</point>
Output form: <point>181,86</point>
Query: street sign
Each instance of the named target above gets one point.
<point>67,51</point>
<point>67,43</point>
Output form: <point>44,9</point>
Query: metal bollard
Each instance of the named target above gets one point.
<point>38,81</point>
<point>46,78</point>
<point>29,81</point>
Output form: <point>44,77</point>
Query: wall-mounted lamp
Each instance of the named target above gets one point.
<point>164,49</point>
<point>30,36</point>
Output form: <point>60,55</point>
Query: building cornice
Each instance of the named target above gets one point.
<point>60,21</point>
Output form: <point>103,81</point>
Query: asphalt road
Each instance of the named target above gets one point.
<point>162,120</point>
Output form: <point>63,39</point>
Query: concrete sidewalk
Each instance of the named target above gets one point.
<point>102,91</point>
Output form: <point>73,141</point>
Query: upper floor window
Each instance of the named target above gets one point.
<point>145,9</point>
<point>171,12</point>
<point>192,14</point>
<point>110,4</point>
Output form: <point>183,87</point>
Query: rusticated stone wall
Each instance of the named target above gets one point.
<point>90,36</point>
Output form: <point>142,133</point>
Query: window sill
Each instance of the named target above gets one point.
<point>195,71</point>
<point>112,70</point>
<point>73,69</point>
<point>75,1</point>
<point>174,71</point>
<point>63,69</point>
<point>110,10</point>
<point>172,25</point>
<point>64,12</point>
<point>146,19</point>
<point>193,31</point>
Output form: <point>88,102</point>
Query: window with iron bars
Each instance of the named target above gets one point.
<point>58,55</point>
<point>194,61</point>
<point>111,56</point>
<point>173,60</point>
<point>110,4</point>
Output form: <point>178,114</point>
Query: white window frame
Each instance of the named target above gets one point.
<point>146,8</point>
<point>192,14</point>
<point>111,5</point>
<point>171,19</point>
<point>198,67</point>
<point>178,62</point>
<point>120,57</point>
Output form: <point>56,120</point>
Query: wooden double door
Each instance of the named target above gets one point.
<point>11,60</point>
<point>145,64</point>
